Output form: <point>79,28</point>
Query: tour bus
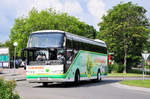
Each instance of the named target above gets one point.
<point>59,56</point>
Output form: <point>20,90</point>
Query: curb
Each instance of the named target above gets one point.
<point>10,74</point>
<point>19,78</point>
<point>16,79</point>
<point>131,87</point>
<point>126,78</point>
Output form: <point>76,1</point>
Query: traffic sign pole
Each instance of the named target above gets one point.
<point>145,56</point>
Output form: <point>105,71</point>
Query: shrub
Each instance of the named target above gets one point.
<point>7,90</point>
<point>109,68</point>
<point>116,68</point>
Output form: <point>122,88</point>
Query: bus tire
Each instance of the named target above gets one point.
<point>45,84</point>
<point>77,77</point>
<point>99,76</point>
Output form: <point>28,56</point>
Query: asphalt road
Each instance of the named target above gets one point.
<point>105,89</point>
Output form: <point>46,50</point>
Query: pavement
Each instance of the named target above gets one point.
<point>106,89</point>
<point>13,74</point>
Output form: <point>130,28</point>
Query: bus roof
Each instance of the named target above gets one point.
<point>48,31</point>
<point>75,37</point>
<point>97,40</point>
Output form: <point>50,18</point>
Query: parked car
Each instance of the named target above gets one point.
<point>23,64</point>
<point>17,63</point>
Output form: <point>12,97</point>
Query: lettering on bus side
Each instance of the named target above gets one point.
<point>36,67</point>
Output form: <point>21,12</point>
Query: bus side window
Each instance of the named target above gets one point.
<point>69,44</point>
<point>69,49</point>
<point>31,57</point>
<point>76,45</point>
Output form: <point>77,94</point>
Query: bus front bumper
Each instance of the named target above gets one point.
<point>41,80</point>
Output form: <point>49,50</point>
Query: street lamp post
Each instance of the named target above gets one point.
<point>15,44</point>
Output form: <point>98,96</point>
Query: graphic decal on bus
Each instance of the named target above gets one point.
<point>89,66</point>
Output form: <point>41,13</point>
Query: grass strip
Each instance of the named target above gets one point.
<point>137,83</point>
<point>126,75</point>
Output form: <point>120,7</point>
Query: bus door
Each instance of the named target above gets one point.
<point>69,53</point>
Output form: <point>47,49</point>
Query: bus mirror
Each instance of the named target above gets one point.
<point>64,43</point>
<point>22,55</point>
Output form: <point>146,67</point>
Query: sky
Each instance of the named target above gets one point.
<point>88,11</point>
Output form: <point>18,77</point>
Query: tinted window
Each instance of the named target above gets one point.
<point>46,40</point>
<point>69,43</point>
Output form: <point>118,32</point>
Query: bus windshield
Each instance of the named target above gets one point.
<point>45,40</point>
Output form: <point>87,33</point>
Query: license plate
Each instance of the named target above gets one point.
<point>44,78</point>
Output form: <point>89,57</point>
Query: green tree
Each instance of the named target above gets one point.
<point>124,30</point>
<point>46,20</point>
<point>1,44</point>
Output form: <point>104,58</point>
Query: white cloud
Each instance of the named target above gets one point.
<point>43,4</point>
<point>18,8</point>
<point>96,8</point>
<point>39,5</point>
<point>72,7</point>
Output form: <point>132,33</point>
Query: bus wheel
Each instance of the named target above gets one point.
<point>45,84</point>
<point>77,77</point>
<point>98,76</point>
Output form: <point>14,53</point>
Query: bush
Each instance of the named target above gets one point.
<point>115,68</point>
<point>6,90</point>
<point>110,68</point>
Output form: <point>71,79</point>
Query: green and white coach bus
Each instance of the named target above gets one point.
<point>58,56</point>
